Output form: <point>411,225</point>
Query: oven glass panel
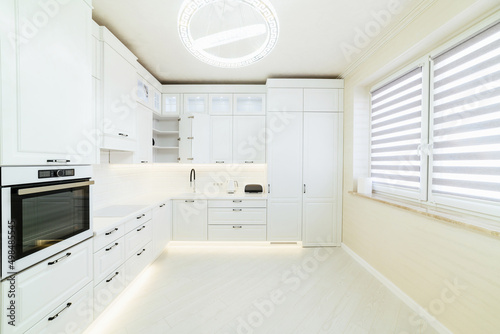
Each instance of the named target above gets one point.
<point>45,218</point>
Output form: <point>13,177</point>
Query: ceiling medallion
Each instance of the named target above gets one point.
<point>228,33</point>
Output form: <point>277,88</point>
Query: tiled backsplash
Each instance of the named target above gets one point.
<point>115,184</point>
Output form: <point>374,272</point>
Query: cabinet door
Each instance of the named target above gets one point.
<point>162,227</point>
<point>221,139</point>
<point>200,145</point>
<point>320,178</point>
<point>326,99</point>
<point>186,138</point>
<point>144,150</point>
<point>285,99</point>
<point>249,104</point>
<point>284,159</point>
<point>171,104</point>
<point>249,139</point>
<point>46,84</point>
<point>195,104</point>
<point>220,104</point>
<point>155,101</point>
<point>189,220</point>
<point>143,91</point>
<point>119,84</point>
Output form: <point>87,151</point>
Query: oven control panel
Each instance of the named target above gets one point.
<point>45,174</point>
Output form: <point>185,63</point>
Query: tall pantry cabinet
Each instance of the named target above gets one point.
<point>304,155</point>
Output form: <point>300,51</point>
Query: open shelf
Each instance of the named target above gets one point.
<point>166,139</point>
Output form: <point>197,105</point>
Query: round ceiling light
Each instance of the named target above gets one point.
<point>228,33</point>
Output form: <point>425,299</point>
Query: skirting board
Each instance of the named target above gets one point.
<point>424,314</point>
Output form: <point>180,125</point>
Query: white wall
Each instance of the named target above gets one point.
<point>115,184</point>
<point>422,256</point>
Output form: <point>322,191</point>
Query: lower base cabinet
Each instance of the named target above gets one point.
<point>107,290</point>
<point>237,232</point>
<point>189,220</point>
<point>138,261</point>
<point>73,316</point>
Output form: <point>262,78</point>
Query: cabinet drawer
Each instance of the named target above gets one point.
<point>74,315</point>
<point>137,262</point>
<point>237,232</point>
<point>237,203</point>
<point>41,288</point>
<point>107,290</point>
<point>108,237</point>
<point>254,216</point>
<point>137,238</point>
<point>108,259</point>
<point>137,221</point>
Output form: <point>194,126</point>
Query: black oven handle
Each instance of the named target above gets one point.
<point>36,190</point>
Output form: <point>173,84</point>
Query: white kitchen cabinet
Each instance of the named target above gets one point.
<point>45,286</point>
<point>143,92</point>
<point>46,105</point>
<point>138,261</point>
<point>285,99</point>
<point>107,259</point>
<point>74,315</point>
<point>285,177</point>
<point>166,139</point>
<point>249,139</point>
<point>172,104</point>
<point>221,139</point>
<point>195,104</point>
<point>249,104</point>
<point>119,85</point>
<point>230,216</point>
<point>322,99</point>
<point>321,137</point>
<point>137,238</point>
<point>144,151</point>
<point>235,232</point>
<point>108,289</point>
<point>162,227</point>
<point>220,104</point>
<point>189,220</point>
<point>156,101</point>
<point>194,133</point>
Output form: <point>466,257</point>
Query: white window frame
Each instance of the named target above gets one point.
<point>476,207</point>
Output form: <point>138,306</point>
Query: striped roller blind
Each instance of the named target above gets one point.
<point>396,122</point>
<point>466,115</point>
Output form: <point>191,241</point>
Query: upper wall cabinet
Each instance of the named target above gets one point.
<point>249,104</point>
<point>321,100</point>
<point>148,90</point>
<point>171,104</point>
<point>285,99</point>
<point>220,104</point>
<point>195,104</point>
<point>46,83</point>
<point>119,86</point>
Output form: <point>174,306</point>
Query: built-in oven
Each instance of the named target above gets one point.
<point>44,211</point>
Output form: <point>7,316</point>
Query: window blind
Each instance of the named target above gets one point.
<point>466,118</point>
<point>396,124</point>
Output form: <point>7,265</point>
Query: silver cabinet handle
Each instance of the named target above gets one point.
<point>142,228</point>
<point>59,161</point>
<point>59,259</point>
<point>37,190</point>
<point>237,210</point>
<point>143,250</point>
<point>304,188</point>
<point>112,231</point>
<point>189,201</point>
<point>238,226</point>
<point>139,217</point>
<point>111,278</point>
<point>122,134</point>
<point>61,311</point>
<point>268,188</point>
<point>219,162</point>
<point>110,248</point>
<point>237,201</point>
<point>144,162</point>
<point>249,162</point>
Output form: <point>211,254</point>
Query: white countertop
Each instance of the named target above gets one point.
<point>108,217</point>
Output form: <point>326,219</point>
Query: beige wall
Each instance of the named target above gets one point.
<point>421,256</point>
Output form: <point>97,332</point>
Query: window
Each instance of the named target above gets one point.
<point>445,151</point>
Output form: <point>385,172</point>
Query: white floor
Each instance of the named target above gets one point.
<point>276,289</point>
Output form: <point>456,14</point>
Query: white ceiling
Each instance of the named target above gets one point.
<point>311,33</point>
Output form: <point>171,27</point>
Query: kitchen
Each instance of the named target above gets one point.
<point>263,178</point>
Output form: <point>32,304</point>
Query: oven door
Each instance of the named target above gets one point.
<point>41,220</point>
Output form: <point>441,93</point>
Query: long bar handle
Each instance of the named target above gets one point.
<point>59,259</point>
<point>111,278</point>
<point>61,311</point>
<point>110,248</point>
<point>112,231</point>
<point>37,190</point>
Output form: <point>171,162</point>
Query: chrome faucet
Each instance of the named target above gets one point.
<point>192,179</point>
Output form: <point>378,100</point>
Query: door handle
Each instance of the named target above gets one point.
<point>268,188</point>
<point>59,259</point>
<point>238,226</point>
<point>112,231</point>
<point>139,217</point>
<point>304,188</point>
<point>111,278</point>
<point>65,308</point>
<point>110,248</point>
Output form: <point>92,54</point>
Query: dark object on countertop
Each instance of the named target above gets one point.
<point>253,188</point>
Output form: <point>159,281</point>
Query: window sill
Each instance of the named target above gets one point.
<point>478,224</point>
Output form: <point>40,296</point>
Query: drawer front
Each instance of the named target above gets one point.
<point>43,287</point>
<point>237,233</point>
<point>74,315</point>
<point>137,238</point>
<point>138,261</point>
<point>135,222</point>
<point>107,290</point>
<point>108,237</point>
<point>237,203</point>
<point>229,216</point>
<point>108,259</point>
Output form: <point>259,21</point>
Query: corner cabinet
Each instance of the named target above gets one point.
<point>46,95</point>
<point>305,184</point>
